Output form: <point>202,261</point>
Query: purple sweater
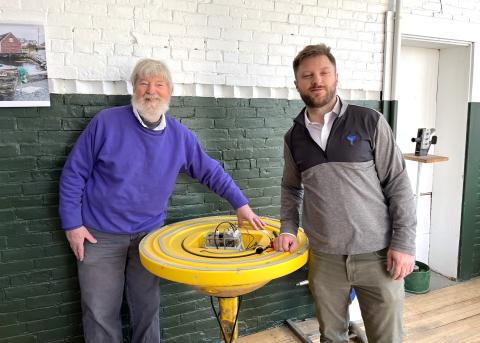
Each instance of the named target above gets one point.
<point>119,176</point>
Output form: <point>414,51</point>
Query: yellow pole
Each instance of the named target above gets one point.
<point>228,313</point>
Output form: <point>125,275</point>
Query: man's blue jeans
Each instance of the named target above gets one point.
<point>110,268</point>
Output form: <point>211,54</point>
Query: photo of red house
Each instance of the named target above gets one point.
<point>9,44</point>
<point>23,66</point>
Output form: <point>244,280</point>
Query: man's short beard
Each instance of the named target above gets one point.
<point>153,109</point>
<point>313,103</point>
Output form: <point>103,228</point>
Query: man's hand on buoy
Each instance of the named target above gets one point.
<point>286,242</point>
<point>246,213</point>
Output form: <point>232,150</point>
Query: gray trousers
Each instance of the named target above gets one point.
<point>331,278</point>
<point>110,268</point>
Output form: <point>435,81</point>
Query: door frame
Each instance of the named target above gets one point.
<point>434,32</point>
<point>444,31</point>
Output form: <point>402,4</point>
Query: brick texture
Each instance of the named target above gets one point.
<point>39,297</point>
<point>228,44</point>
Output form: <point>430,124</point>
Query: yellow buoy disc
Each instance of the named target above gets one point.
<point>179,252</point>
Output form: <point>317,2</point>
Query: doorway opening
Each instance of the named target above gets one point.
<point>433,92</point>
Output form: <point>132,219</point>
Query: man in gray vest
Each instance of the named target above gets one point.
<point>343,166</point>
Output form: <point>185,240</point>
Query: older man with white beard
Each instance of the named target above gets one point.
<point>114,189</point>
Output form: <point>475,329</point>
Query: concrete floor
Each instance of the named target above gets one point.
<point>438,281</point>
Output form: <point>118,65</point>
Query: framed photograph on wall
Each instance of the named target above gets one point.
<point>23,66</point>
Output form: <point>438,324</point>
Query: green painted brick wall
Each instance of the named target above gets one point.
<point>469,256</point>
<point>39,296</point>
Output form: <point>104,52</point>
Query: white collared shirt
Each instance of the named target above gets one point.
<point>159,127</point>
<point>321,132</point>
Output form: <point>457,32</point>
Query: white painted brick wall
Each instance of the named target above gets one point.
<point>257,25</point>
<point>190,19</point>
<point>83,46</point>
<point>461,10</point>
<point>61,45</point>
<point>210,9</point>
<point>92,8</point>
<point>198,55</point>
<point>204,31</point>
<point>288,7</point>
<point>226,43</point>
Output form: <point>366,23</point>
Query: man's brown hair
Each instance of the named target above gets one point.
<point>312,51</point>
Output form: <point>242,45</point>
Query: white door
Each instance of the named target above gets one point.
<point>417,101</point>
<point>433,92</point>
<point>451,125</point>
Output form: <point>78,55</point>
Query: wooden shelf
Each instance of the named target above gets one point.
<point>425,159</point>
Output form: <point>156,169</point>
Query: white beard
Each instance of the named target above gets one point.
<point>150,107</point>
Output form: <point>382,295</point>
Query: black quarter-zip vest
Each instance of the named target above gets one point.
<point>351,139</point>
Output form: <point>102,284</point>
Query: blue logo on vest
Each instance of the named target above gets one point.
<point>351,138</point>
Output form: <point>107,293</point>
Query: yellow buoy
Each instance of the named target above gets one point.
<point>195,253</point>
<point>176,252</point>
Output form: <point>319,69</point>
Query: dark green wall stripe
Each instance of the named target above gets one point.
<point>39,298</point>
<point>469,255</point>
<point>390,112</point>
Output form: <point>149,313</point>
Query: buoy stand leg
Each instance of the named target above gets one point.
<point>228,313</point>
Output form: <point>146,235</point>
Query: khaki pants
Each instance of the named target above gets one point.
<point>331,278</point>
